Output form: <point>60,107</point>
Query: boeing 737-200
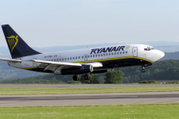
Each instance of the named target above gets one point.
<point>79,61</point>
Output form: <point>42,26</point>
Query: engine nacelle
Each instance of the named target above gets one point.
<point>82,70</point>
<point>100,71</point>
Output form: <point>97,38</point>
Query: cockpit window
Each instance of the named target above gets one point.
<point>148,48</point>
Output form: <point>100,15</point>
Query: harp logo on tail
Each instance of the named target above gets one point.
<point>12,41</point>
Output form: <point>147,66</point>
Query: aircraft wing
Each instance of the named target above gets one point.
<point>53,66</point>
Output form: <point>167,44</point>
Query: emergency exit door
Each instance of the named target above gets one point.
<point>135,51</point>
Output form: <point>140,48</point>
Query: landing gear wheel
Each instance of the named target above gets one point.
<point>143,69</point>
<point>87,76</point>
<point>76,78</point>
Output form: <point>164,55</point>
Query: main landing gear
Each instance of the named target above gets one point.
<point>77,77</point>
<point>87,76</point>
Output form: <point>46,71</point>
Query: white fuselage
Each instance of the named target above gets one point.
<point>109,56</point>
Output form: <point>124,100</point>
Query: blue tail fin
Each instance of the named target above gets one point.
<point>17,47</point>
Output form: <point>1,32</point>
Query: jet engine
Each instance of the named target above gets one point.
<point>82,70</point>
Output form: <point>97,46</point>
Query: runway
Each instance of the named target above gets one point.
<point>90,99</point>
<point>83,85</point>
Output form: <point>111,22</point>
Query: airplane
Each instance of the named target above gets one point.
<point>79,61</point>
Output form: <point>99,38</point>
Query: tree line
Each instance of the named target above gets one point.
<point>167,70</point>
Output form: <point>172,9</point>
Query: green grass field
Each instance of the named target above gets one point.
<point>36,91</point>
<point>161,111</point>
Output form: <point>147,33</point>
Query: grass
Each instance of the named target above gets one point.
<point>36,91</point>
<point>160,111</point>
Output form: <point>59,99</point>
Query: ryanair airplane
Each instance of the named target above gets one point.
<point>81,61</point>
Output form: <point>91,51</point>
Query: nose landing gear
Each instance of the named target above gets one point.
<point>143,69</point>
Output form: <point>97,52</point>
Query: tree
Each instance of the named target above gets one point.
<point>114,77</point>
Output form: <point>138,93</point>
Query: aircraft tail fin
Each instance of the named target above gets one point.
<point>17,47</point>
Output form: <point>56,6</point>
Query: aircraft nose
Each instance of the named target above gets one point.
<point>159,54</point>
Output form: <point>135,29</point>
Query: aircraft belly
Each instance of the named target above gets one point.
<point>124,63</point>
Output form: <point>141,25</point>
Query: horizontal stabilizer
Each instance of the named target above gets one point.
<point>10,60</point>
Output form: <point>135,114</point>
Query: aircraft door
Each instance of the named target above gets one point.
<point>135,51</point>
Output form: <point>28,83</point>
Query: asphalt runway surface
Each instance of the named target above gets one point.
<point>83,85</point>
<point>90,99</point>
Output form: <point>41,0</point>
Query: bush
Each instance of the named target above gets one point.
<point>114,77</point>
<point>149,82</point>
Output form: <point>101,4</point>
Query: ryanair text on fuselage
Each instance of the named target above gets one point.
<point>107,49</point>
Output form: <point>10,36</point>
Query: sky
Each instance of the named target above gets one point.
<point>48,23</point>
